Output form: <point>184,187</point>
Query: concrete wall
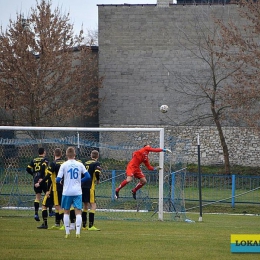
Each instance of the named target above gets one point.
<point>140,54</point>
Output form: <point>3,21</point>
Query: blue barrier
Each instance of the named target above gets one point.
<point>233,190</point>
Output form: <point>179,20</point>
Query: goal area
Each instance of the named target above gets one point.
<point>162,198</point>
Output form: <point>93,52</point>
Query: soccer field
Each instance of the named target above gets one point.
<point>209,239</point>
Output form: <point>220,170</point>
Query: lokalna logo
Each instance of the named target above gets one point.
<point>248,243</point>
<point>245,243</point>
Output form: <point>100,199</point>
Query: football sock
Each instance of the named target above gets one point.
<point>36,206</point>
<point>137,187</point>
<point>72,226</point>
<point>91,218</point>
<point>66,220</point>
<point>45,217</point>
<point>57,217</point>
<point>84,217</point>
<point>123,183</point>
<point>72,216</point>
<point>78,223</point>
<point>61,215</point>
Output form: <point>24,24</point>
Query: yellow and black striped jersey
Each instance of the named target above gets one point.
<point>52,173</point>
<point>94,169</point>
<point>37,168</point>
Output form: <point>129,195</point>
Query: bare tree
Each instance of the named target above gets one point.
<point>242,49</point>
<point>91,39</point>
<point>47,76</point>
<point>204,85</point>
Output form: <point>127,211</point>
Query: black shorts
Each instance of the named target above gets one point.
<point>48,201</point>
<point>41,189</point>
<point>88,195</point>
<point>57,196</point>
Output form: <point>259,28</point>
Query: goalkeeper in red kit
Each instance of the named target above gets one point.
<point>133,168</point>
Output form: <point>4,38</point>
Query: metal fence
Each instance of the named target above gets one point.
<point>232,189</point>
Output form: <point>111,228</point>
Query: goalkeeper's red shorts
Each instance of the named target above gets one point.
<point>134,172</point>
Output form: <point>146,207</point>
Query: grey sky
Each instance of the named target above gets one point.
<point>81,11</point>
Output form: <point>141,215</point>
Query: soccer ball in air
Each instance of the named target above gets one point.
<point>164,108</point>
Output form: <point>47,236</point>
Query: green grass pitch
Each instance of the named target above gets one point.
<point>208,239</point>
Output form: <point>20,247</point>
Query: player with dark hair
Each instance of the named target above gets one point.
<point>88,191</point>
<point>37,169</point>
<point>133,168</point>
<point>54,195</point>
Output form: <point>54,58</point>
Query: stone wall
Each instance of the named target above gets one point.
<point>243,144</point>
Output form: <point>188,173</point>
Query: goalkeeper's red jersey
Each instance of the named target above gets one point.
<point>141,156</point>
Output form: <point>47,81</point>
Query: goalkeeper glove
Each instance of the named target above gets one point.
<point>167,150</point>
<point>157,168</point>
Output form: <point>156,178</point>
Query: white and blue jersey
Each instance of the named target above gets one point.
<point>71,171</point>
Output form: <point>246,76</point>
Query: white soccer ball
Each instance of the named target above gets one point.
<point>164,108</point>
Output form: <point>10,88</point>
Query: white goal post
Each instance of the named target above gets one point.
<point>160,132</point>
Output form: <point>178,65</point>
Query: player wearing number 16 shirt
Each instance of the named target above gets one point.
<point>71,171</point>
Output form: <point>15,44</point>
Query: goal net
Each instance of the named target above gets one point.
<point>162,198</point>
